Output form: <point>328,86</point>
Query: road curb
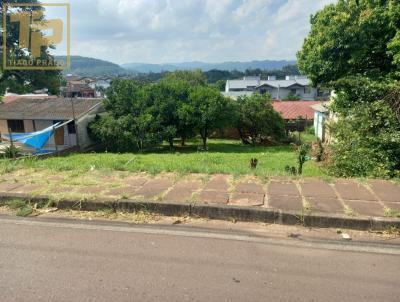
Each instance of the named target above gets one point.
<point>215,211</point>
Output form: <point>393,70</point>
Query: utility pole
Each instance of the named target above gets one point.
<point>11,143</point>
<point>75,122</point>
<point>73,115</point>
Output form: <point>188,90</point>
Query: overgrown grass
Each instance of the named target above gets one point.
<point>224,156</point>
<point>20,207</point>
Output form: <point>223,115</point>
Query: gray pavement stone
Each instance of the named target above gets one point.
<point>317,188</point>
<point>366,208</point>
<point>59,190</point>
<point>393,205</point>
<point>91,190</point>
<point>386,190</point>
<point>154,188</point>
<point>326,205</point>
<point>124,191</point>
<point>247,199</point>
<point>288,203</point>
<point>249,187</point>
<point>276,188</point>
<point>351,190</point>
<point>28,188</point>
<point>134,181</point>
<point>216,197</point>
<point>218,183</point>
<point>178,195</point>
<point>6,186</point>
<point>183,191</point>
<point>191,185</point>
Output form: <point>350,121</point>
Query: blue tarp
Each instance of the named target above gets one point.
<point>35,140</point>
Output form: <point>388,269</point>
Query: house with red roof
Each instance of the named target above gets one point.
<point>293,110</point>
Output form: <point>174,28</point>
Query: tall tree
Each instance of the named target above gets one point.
<point>354,48</point>
<point>352,37</point>
<point>207,111</point>
<point>257,120</point>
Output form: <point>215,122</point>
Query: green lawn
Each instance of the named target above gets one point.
<point>224,156</point>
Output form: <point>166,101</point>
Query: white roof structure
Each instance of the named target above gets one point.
<point>235,94</point>
<point>256,82</point>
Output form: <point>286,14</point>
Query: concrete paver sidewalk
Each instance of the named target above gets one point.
<point>375,198</point>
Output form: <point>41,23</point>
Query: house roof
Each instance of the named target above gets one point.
<point>243,84</point>
<point>291,110</point>
<point>46,109</point>
<point>322,107</point>
<point>10,97</point>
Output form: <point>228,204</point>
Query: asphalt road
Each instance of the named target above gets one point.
<point>71,261</point>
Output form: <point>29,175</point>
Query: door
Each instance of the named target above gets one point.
<point>59,135</point>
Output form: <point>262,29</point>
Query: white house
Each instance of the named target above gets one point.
<point>321,115</point>
<point>100,83</point>
<point>278,89</point>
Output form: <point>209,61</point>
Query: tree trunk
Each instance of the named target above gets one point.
<point>244,142</point>
<point>183,141</point>
<point>205,142</point>
<point>171,143</point>
<point>204,135</point>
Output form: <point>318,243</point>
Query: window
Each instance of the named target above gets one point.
<point>16,126</point>
<point>307,90</point>
<point>71,128</point>
<point>294,91</point>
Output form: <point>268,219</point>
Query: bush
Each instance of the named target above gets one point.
<point>257,121</point>
<point>12,152</point>
<point>310,130</point>
<point>292,97</point>
<point>367,142</point>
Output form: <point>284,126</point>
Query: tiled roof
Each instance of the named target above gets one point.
<point>46,109</point>
<point>291,110</point>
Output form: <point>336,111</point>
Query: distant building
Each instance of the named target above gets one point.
<point>278,89</point>
<point>77,89</point>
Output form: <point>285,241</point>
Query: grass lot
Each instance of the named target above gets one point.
<point>224,156</point>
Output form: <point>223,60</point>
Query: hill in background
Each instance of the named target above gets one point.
<point>228,66</point>
<point>84,66</point>
<point>91,67</point>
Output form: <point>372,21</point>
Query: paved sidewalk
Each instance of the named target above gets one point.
<point>375,198</point>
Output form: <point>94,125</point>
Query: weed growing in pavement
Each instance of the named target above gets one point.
<point>392,213</point>
<point>349,211</point>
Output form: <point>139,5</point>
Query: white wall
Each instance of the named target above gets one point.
<point>319,125</point>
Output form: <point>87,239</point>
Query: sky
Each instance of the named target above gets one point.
<point>169,31</point>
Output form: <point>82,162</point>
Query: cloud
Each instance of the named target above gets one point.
<point>159,31</point>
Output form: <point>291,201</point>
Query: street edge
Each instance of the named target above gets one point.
<point>215,211</point>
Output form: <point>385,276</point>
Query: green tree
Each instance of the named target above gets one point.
<point>257,120</point>
<point>23,81</point>
<point>194,78</point>
<point>207,111</point>
<point>292,97</point>
<point>352,37</point>
<point>354,49</point>
<point>367,142</point>
<point>130,123</point>
<point>169,95</point>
